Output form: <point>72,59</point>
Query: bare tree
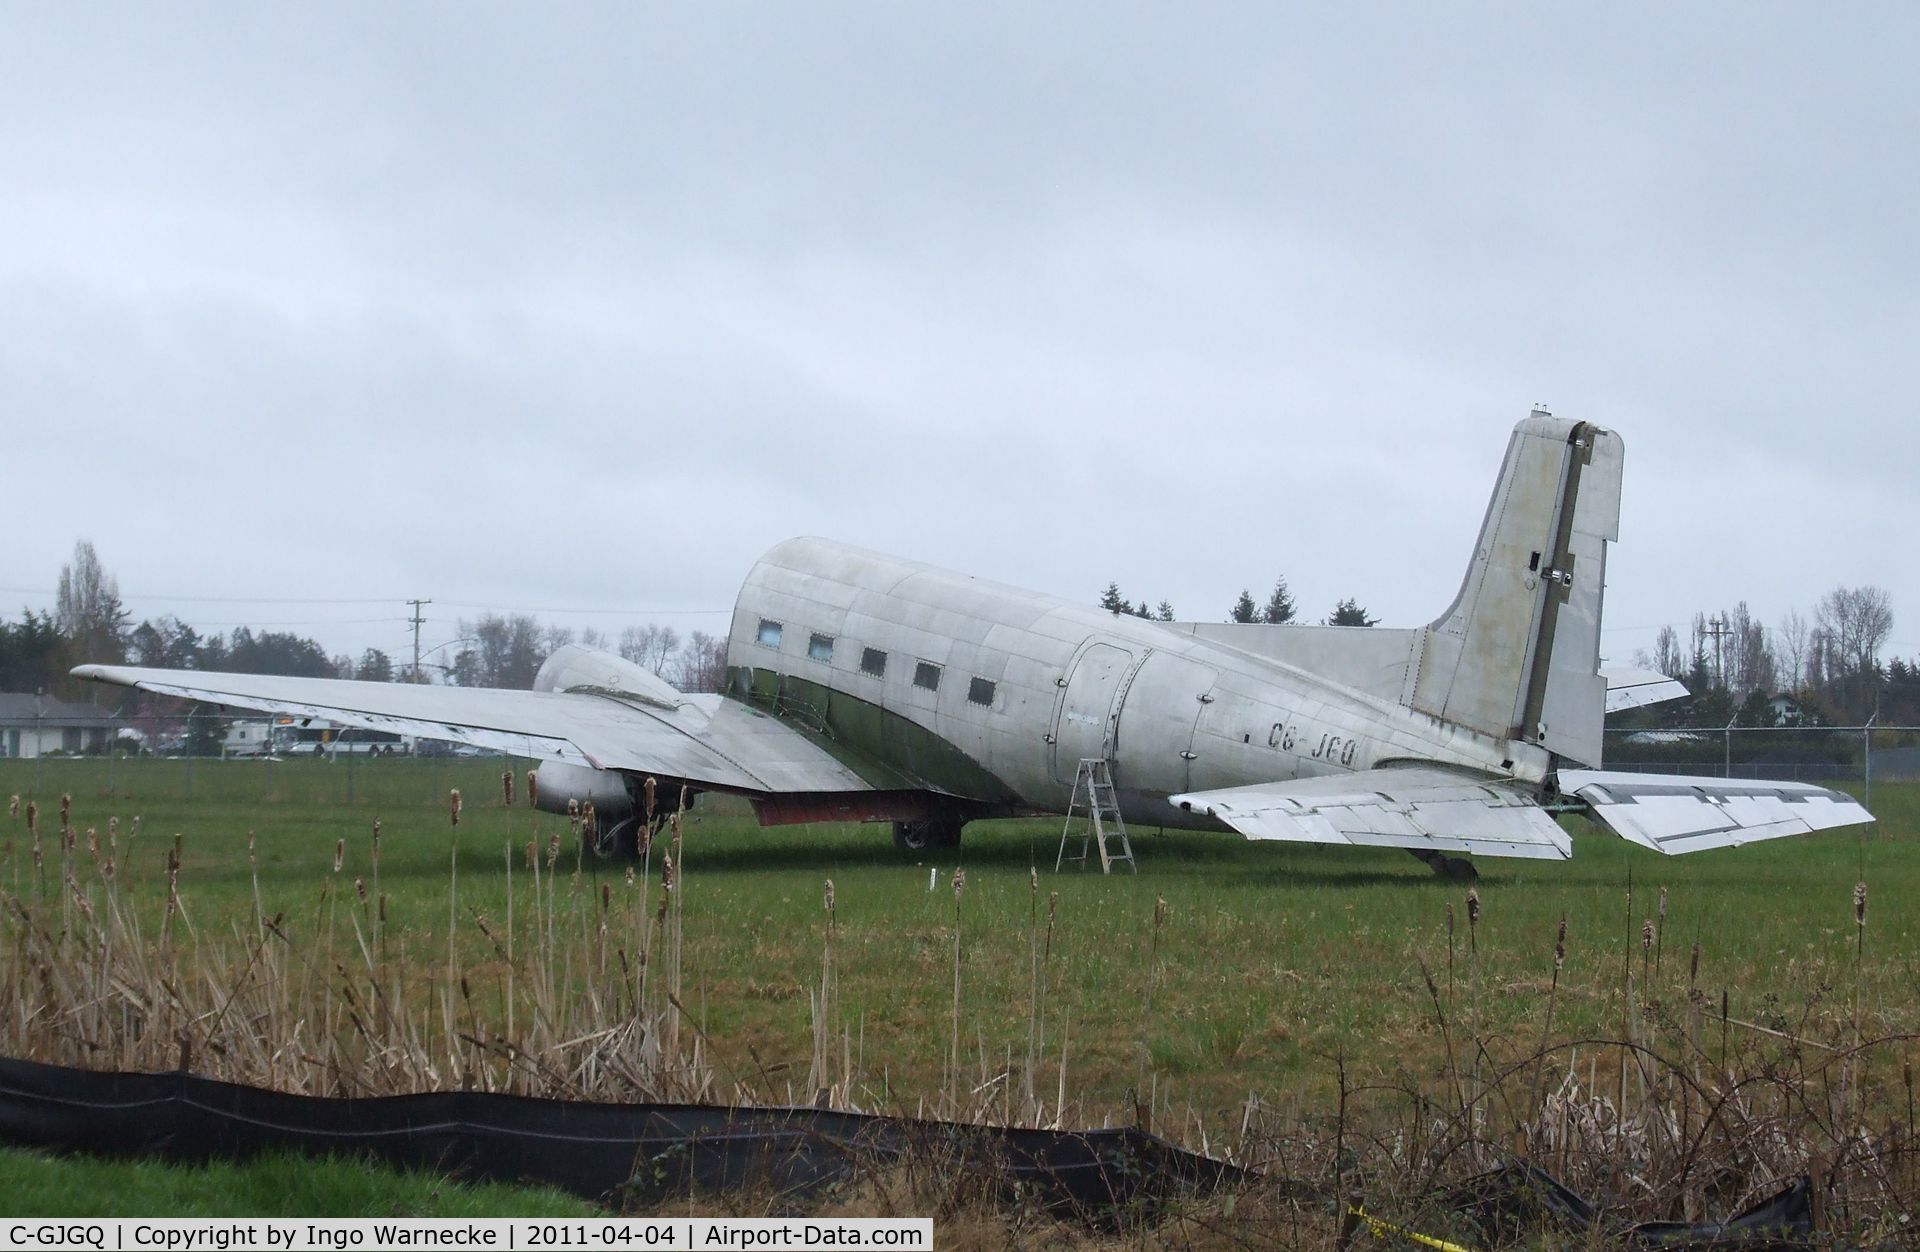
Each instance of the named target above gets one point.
<point>1667,657</point>
<point>703,663</point>
<point>650,646</point>
<point>1822,663</point>
<point>506,652</point>
<point>1858,619</point>
<point>1791,647</point>
<point>1749,655</point>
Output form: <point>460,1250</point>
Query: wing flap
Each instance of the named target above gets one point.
<point>1420,808</point>
<point>1675,813</point>
<point>709,740</point>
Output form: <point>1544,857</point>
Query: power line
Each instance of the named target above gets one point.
<point>523,608</point>
<point>143,595</point>
<point>459,604</point>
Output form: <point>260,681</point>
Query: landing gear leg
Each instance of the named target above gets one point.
<point>927,834</point>
<point>1451,868</point>
<point>620,839</point>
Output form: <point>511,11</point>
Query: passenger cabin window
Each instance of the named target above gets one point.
<point>769,636</point>
<point>820,648</point>
<point>874,661</point>
<point>980,691</point>
<point>927,674</point>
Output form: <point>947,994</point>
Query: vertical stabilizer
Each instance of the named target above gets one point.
<point>1516,655</point>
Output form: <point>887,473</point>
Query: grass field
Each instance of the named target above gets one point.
<point>1269,980</point>
<point>32,1185</point>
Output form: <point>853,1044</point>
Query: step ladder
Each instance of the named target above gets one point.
<point>1099,809</point>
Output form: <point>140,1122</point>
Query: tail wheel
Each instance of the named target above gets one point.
<point>927,834</point>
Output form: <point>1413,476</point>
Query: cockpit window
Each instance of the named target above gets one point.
<point>820,648</point>
<point>769,636</point>
<point>926,674</point>
<point>874,661</point>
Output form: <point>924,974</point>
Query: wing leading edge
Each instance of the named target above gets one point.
<point>709,740</point>
<point>1424,809</point>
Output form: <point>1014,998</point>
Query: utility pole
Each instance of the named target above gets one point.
<point>1718,628</point>
<point>416,619</point>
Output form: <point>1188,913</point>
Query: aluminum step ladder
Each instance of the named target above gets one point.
<point>1099,809</point>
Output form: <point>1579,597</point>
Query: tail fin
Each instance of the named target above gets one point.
<point>1516,655</point>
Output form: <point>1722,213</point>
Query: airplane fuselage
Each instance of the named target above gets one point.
<point>924,678</point>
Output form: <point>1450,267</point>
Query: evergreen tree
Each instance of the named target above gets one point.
<point>1164,613</point>
<point>1349,613</point>
<point>1279,607</point>
<point>1243,608</point>
<point>30,653</point>
<point>1113,602</point>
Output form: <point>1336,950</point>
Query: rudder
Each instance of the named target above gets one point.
<point>1516,655</point>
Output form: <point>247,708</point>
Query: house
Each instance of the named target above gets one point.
<point>1786,710</point>
<point>39,725</point>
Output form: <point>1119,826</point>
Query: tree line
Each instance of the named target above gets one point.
<point>1822,668</point>
<point>90,623</point>
<point>1278,610</point>
<point>1826,663</point>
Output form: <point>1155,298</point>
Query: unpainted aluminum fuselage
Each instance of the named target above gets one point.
<point>1174,712</point>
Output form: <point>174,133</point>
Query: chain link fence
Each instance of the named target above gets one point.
<point>1828,755</point>
<point>210,757</point>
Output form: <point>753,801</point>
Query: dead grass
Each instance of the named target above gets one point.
<point>1307,1014</point>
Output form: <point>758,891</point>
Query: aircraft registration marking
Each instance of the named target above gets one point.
<point>1332,748</point>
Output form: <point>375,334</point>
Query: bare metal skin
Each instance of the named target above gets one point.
<point>866,687</point>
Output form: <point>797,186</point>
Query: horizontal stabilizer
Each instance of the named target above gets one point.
<point>1419,808</point>
<point>1631,688</point>
<point>1673,814</point>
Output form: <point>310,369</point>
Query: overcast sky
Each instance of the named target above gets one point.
<point>585,307</point>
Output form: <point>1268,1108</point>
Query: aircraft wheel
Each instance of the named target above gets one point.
<point>927,834</point>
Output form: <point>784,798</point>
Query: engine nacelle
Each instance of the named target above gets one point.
<point>559,784</point>
<point>574,668</point>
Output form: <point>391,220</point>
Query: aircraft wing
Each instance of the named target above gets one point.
<point>1422,808</point>
<point>1673,814</point>
<point>1630,688</point>
<point>709,740</point>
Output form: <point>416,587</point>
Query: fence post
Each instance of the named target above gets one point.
<point>1866,758</point>
<point>1728,773</point>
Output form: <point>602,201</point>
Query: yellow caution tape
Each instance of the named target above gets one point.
<point>1387,1229</point>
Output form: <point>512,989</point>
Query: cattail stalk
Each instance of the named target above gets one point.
<point>1473,975</point>
<point>953,1050</point>
<point>1660,933</point>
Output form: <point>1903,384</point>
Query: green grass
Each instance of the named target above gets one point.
<point>1273,960</point>
<point>33,1185</point>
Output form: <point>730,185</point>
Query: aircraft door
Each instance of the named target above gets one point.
<point>1164,708</point>
<point>1081,720</point>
